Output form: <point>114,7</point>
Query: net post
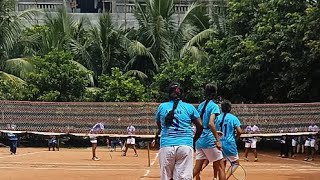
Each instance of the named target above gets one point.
<point>148,154</point>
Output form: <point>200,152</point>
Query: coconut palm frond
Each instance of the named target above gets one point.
<point>11,78</point>
<point>18,66</point>
<point>136,73</point>
<point>81,67</point>
<point>205,34</point>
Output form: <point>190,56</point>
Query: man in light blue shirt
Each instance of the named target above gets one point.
<point>174,120</point>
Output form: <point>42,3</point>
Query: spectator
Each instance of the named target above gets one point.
<point>294,142</point>
<point>100,6</point>
<point>52,142</point>
<point>13,143</point>
<point>116,142</point>
<point>73,5</point>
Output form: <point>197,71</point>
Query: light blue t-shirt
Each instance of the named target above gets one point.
<point>228,140</point>
<point>207,139</point>
<point>180,132</point>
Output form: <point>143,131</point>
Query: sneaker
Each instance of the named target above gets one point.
<point>95,159</point>
<point>246,159</point>
<point>310,159</point>
<point>306,159</point>
<point>135,155</point>
<point>256,160</point>
<point>124,154</point>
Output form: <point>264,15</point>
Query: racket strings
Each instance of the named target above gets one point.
<point>238,172</point>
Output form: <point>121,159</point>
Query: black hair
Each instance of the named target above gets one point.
<point>170,116</point>
<point>174,91</point>
<point>210,90</point>
<point>225,108</point>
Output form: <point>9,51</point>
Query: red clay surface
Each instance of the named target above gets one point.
<point>76,164</point>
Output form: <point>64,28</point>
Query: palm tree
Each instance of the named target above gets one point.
<point>58,32</point>
<point>102,48</point>
<point>11,27</point>
<point>163,37</point>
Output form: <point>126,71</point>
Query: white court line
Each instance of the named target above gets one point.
<point>25,154</point>
<point>288,159</point>
<point>147,173</point>
<point>73,169</point>
<point>155,159</point>
<point>282,169</point>
<point>70,164</point>
<point>151,164</point>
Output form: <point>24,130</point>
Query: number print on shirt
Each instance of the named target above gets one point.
<point>225,130</point>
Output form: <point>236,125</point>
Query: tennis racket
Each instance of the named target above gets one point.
<point>236,170</point>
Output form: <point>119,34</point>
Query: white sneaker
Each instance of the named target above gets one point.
<point>95,159</point>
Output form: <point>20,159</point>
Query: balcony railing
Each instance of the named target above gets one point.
<point>47,6</point>
<point>115,7</point>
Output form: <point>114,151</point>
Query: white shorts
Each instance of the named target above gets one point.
<point>93,139</point>
<point>232,158</point>
<point>176,162</point>
<point>252,144</point>
<point>307,143</point>
<point>294,142</point>
<point>131,140</point>
<point>312,143</point>
<point>211,154</point>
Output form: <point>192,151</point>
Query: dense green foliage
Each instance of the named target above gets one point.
<point>268,51</point>
<point>56,78</point>
<point>120,88</point>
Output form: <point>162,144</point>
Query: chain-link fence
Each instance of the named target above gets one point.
<point>79,117</point>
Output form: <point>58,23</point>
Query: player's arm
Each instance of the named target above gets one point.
<point>199,128</point>
<point>157,134</point>
<point>214,131</point>
<point>238,132</point>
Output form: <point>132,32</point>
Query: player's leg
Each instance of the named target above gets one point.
<point>219,166</point>
<point>247,146</point>
<point>215,173</point>
<point>135,150</point>
<point>14,147</point>
<point>254,148</point>
<point>200,159</point>
<point>127,147</point>
<point>307,149</point>
<point>183,164</point>
<point>214,155</point>
<point>49,145</point>
<point>312,148</point>
<point>133,143</point>
<point>94,156</point>
<point>167,156</point>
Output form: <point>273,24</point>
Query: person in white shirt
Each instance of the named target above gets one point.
<point>310,143</point>
<point>251,142</point>
<point>96,129</point>
<point>130,140</point>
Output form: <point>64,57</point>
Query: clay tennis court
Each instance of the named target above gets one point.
<point>76,164</point>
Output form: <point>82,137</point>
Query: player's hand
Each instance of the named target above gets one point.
<point>218,145</point>
<point>153,143</point>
